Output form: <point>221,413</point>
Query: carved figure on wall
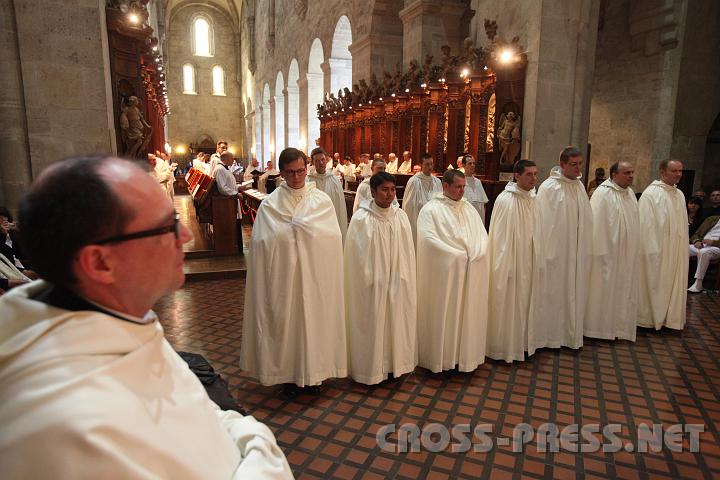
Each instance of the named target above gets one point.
<point>397,80</point>
<point>449,62</point>
<point>364,91</point>
<point>133,128</point>
<point>412,77</point>
<point>374,87</point>
<point>509,138</point>
<point>427,69</point>
<point>387,84</point>
<point>490,138</point>
<point>348,97</point>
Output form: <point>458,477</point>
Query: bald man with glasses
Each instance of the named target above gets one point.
<point>87,379</point>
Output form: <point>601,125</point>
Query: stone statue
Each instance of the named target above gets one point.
<point>509,138</point>
<point>449,62</point>
<point>427,69</point>
<point>348,97</point>
<point>374,87</point>
<point>397,80</point>
<point>364,91</point>
<point>133,128</point>
<point>387,84</point>
<point>413,75</point>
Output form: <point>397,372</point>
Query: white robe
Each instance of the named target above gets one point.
<point>418,191</point>
<point>331,185</point>
<point>663,257</point>
<point>615,274</point>
<point>291,332</point>
<point>564,237</point>
<point>84,394</point>
<point>392,167</point>
<point>380,293</point>
<point>452,277</point>
<point>512,267</point>
<point>405,167</point>
<point>475,194</point>
<point>164,175</point>
<point>262,180</point>
<point>363,196</point>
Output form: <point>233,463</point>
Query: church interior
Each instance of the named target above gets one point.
<point>635,81</point>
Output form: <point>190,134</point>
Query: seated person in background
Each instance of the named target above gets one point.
<point>699,194</point>
<point>459,163</point>
<point>115,400</point>
<point>714,208</point>
<point>224,180</point>
<point>392,166</point>
<point>269,171</point>
<point>406,166</point>
<point>12,271</point>
<point>252,169</point>
<point>695,214</point>
<point>705,245</point>
<point>363,167</point>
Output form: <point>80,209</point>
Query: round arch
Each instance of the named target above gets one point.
<point>315,79</point>
<point>279,113</point>
<point>293,106</point>
<point>340,60</point>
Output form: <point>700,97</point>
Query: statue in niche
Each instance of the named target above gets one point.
<point>133,127</point>
<point>509,138</point>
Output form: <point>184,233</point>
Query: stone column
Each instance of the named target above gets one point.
<point>340,73</point>
<point>303,113</point>
<point>273,130</point>
<point>314,97</point>
<point>559,37</point>
<point>375,53</point>
<point>430,24</point>
<point>15,169</point>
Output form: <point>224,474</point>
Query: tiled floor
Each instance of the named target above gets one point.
<point>666,378</point>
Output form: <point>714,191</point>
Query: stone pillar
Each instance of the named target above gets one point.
<point>559,37</point>
<point>303,113</point>
<point>15,169</point>
<point>326,87</point>
<point>430,24</point>
<point>375,53</point>
<point>272,148</point>
<point>314,97</point>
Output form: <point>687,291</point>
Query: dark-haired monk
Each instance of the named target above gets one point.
<point>380,284</point>
<point>292,333</point>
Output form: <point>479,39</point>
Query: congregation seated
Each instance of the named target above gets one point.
<point>705,245</point>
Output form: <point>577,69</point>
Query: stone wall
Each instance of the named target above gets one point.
<point>635,86</point>
<point>61,89</point>
<point>192,116</point>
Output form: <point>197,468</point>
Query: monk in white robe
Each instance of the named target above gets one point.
<point>419,190</point>
<point>364,194</point>
<point>392,166</point>
<point>615,273</point>
<point>663,251</point>
<point>565,242</point>
<point>406,165</point>
<point>253,167</point>
<point>346,170</point>
<point>512,265</point>
<point>325,181</point>
<point>380,287</point>
<point>474,191</point>
<point>270,170</point>
<point>291,334</point>
<point>452,273</point>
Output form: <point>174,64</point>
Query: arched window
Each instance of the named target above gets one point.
<point>202,36</point>
<point>218,76</point>
<point>189,87</point>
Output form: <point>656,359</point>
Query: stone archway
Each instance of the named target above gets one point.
<point>315,78</point>
<point>293,105</point>
<point>340,61</point>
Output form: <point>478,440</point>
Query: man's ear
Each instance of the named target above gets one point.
<point>93,262</point>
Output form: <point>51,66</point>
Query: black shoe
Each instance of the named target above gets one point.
<point>290,390</point>
<point>314,389</point>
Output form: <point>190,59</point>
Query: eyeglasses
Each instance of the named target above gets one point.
<point>291,173</point>
<point>175,228</point>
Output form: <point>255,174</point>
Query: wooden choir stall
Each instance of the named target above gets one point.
<point>469,103</point>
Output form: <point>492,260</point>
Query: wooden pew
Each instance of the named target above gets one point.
<point>250,202</point>
<point>219,211</point>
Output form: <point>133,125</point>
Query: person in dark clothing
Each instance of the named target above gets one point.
<point>695,214</point>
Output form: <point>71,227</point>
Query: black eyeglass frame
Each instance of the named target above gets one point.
<point>175,228</point>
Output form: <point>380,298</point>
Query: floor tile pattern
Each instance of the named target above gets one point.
<point>666,377</point>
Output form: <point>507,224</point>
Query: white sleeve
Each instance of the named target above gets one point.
<point>225,182</point>
<point>260,456</point>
